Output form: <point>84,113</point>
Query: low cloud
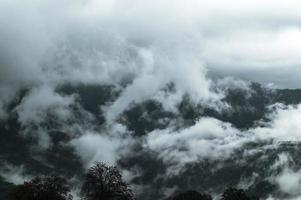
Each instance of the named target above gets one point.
<point>208,138</point>
<point>14,174</point>
<point>107,146</point>
<point>142,47</point>
<point>284,125</point>
<point>289,181</point>
<point>41,101</point>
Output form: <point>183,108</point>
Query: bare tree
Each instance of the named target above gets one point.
<point>105,182</point>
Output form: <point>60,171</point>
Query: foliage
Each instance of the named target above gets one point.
<point>234,194</point>
<point>42,188</point>
<point>192,195</point>
<point>104,182</point>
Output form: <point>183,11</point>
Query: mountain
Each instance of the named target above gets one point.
<point>250,166</point>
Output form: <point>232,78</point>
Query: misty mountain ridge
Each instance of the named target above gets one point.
<point>50,145</point>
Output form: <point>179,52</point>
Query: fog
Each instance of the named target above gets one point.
<point>149,50</point>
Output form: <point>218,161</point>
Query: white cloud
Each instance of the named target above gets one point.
<point>284,125</point>
<point>208,138</point>
<point>244,39</point>
<point>14,174</point>
<point>153,42</point>
<point>282,161</point>
<point>105,147</point>
<point>289,181</point>
<point>40,101</point>
<point>96,147</point>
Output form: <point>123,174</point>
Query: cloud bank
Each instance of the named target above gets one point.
<point>148,50</point>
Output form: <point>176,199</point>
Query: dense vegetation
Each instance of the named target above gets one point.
<point>102,182</point>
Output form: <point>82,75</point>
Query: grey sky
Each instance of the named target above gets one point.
<point>149,44</point>
<point>258,40</point>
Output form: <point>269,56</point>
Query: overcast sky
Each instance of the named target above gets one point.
<point>148,44</point>
<point>258,40</point>
<point>255,40</point>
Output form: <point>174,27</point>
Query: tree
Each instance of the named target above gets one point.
<point>234,194</point>
<point>42,188</point>
<point>105,183</point>
<point>192,195</point>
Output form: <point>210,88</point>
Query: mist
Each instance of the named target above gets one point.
<point>156,57</point>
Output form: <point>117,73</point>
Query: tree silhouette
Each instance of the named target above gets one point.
<point>42,188</point>
<point>104,182</point>
<point>192,195</point>
<point>234,194</point>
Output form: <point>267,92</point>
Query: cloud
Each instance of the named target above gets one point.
<point>100,40</point>
<point>214,139</point>
<point>94,147</point>
<point>14,174</point>
<point>289,181</point>
<point>254,40</point>
<point>71,46</point>
<point>284,125</point>
<point>208,138</point>
<point>140,47</point>
<point>102,147</point>
<point>38,108</point>
<point>113,41</point>
<point>262,56</point>
<point>164,66</point>
<point>41,101</point>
